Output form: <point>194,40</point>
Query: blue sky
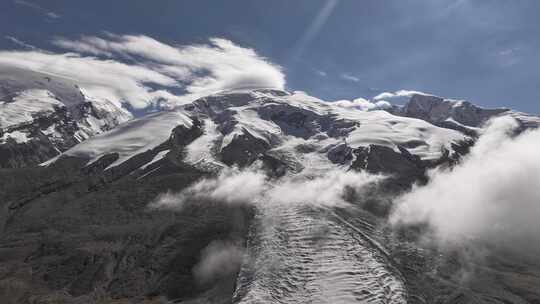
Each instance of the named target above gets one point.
<point>486,51</point>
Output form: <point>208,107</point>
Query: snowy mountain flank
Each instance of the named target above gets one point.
<point>42,115</point>
<point>292,131</point>
<point>458,114</point>
<point>243,196</point>
<point>296,129</point>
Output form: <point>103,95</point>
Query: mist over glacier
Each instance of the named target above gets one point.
<point>253,187</point>
<point>492,196</point>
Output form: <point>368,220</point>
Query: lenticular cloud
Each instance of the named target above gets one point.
<point>141,71</point>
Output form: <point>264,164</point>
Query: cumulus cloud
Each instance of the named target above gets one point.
<point>397,94</point>
<point>492,197</point>
<point>219,259</point>
<point>233,186</point>
<point>324,190</point>
<point>141,71</point>
<point>364,104</point>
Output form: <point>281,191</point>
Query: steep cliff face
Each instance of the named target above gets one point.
<point>42,115</point>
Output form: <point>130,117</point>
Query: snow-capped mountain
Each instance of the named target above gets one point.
<point>277,129</point>
<point>116,221</point>
<point>458,114</point>
<point>42,115</point>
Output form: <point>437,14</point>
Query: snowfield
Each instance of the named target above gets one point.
<point>131,138</point>
<point>285,122</point>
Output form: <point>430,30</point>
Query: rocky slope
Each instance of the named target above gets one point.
<point>277,128</point>
<point>459,115</point>
<point>43,115</point>
<point>80,228</point>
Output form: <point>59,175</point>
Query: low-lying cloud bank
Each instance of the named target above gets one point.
<point>364,104</point>
<point>397,97</point>
<point>492,197</point>
<point>233,186</point>
<point>140,71</point>
<point>222,258</point>
<point>397,94</point>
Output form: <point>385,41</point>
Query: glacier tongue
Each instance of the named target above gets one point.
<point>303,255</point>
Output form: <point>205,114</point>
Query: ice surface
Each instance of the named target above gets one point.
<point>270,116</point>
<point>24,105</point>
<point>131,138</point>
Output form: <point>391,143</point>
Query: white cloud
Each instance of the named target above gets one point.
<point>397,94</point>
<point>221,65</point>
<point>251,187</point>
<point>101,78</point>
<point>350,77</point>
<point>385,95</point>
<point>364,104</point>
<point>493,197</point>
<point>231,186</point>
<point>218,260</point>
<point>326,190</point>
<point>155,68</point>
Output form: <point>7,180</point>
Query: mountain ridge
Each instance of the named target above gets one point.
<point>84,227</point>
<point>42,115</point>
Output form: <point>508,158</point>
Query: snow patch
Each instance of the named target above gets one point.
<point>25,105</point>
<point>131,138</point>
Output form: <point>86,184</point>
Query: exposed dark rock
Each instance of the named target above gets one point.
<point>57,121</point>
<point>107,244</point>
<point>438,110</point>
<point>243,149</point>
<point>403,168</point>
<point>278,164</point>
<point>340,154</point>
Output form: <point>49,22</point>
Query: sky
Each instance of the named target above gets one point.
<point>485,51</point>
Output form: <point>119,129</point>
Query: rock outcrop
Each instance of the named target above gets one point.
<point>42,116</point>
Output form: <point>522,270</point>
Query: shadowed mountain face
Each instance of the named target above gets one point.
<point>140,213</point>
